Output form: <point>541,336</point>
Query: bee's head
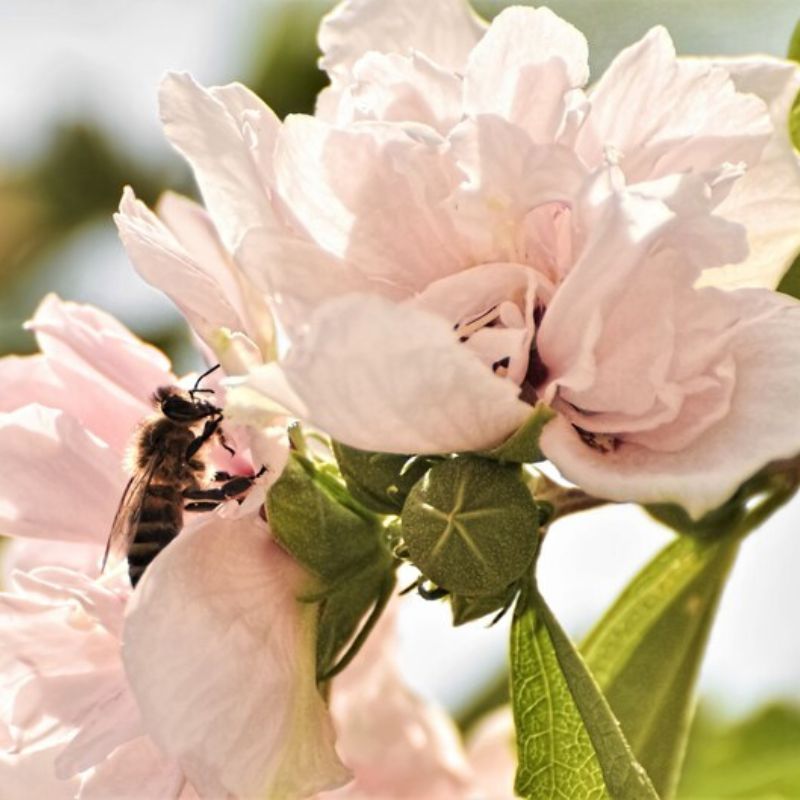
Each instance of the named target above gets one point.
<point>181,406</point>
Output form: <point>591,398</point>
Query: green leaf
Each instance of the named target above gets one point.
<point>522,447</point>
<point>794,44</point>
<point>471,525</point>
<point>569,743</point>
<point>380,481</point>
<point>790,282</point>
<point>646,651</point>
<point>310,521</point>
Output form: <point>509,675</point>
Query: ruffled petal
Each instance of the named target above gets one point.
<point>31,775</point>
<point>524,68</point>
<point>299,275</point>
<point>444,31</point>
<point>509,291</point>
<point>65,483</point>
<point>397,88</point>
<point>387,377</point>
<point>94,368</point>
<point>508,180</point>
<point>760,426</point>
<point>24,555</point>
<point>203,124</point>
<point>662,114</point>
<point>201,283</point>
<point>369,194</point>
<point>767,199</point>
<point>70,387</point>
<point>62,679</point>
<point>71,331</point>
<point>630,248</point>
<point>134,771</point>
<point>232,694</point>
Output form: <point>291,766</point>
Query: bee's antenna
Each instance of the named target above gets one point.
<point>196,388</point>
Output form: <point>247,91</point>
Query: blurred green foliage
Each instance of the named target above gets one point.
<point>78,177</point>
<point>753,759</point>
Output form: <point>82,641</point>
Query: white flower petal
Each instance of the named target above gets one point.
<point>299,276</point>
<point>509,177</point>
<point>82,336</point>
<point>369,194</point>
<point>112,722</point>
<point>135,771</point>
<point>767,199</point>
<point>491,749</point>
<point>445,31</point>
<point>663,114</point>
<point>203,124</point>
<point>761,425</point>
<point>232,692</point>
<point>398,745</point>
<point>387,377</point>
<point>56,459</point>
<point>523,69</point>
<point>31,775</point>
<point>393,87</point>
<point>202,287</point>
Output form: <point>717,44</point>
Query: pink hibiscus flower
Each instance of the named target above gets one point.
<point>463,230</point>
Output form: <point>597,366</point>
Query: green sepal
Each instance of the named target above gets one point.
<point>349,611</point>
<point>471,525</point>
<point>646,651</point>
<point>569,743</point>
<point>312,523</point>
<point>467,609</point>
<point>344,546</point>
<point>522,447</point>
<point>380,481</point>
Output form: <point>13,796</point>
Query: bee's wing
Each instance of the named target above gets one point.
<point>126,520</point>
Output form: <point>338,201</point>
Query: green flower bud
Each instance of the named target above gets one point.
<point>471,526</point>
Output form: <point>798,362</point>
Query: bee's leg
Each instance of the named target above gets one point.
<point>209,429</point>
<point>230,488</point>
<point>224,442</point>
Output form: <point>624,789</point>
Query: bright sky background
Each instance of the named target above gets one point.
<point>104,58</point>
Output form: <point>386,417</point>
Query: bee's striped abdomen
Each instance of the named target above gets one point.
<point>160,521</point>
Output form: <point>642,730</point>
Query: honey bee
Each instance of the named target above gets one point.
<point>168,470</point>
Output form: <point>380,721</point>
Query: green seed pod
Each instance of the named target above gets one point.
<point>470,525</point>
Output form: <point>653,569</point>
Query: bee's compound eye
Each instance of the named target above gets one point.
<point>177,408</point>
